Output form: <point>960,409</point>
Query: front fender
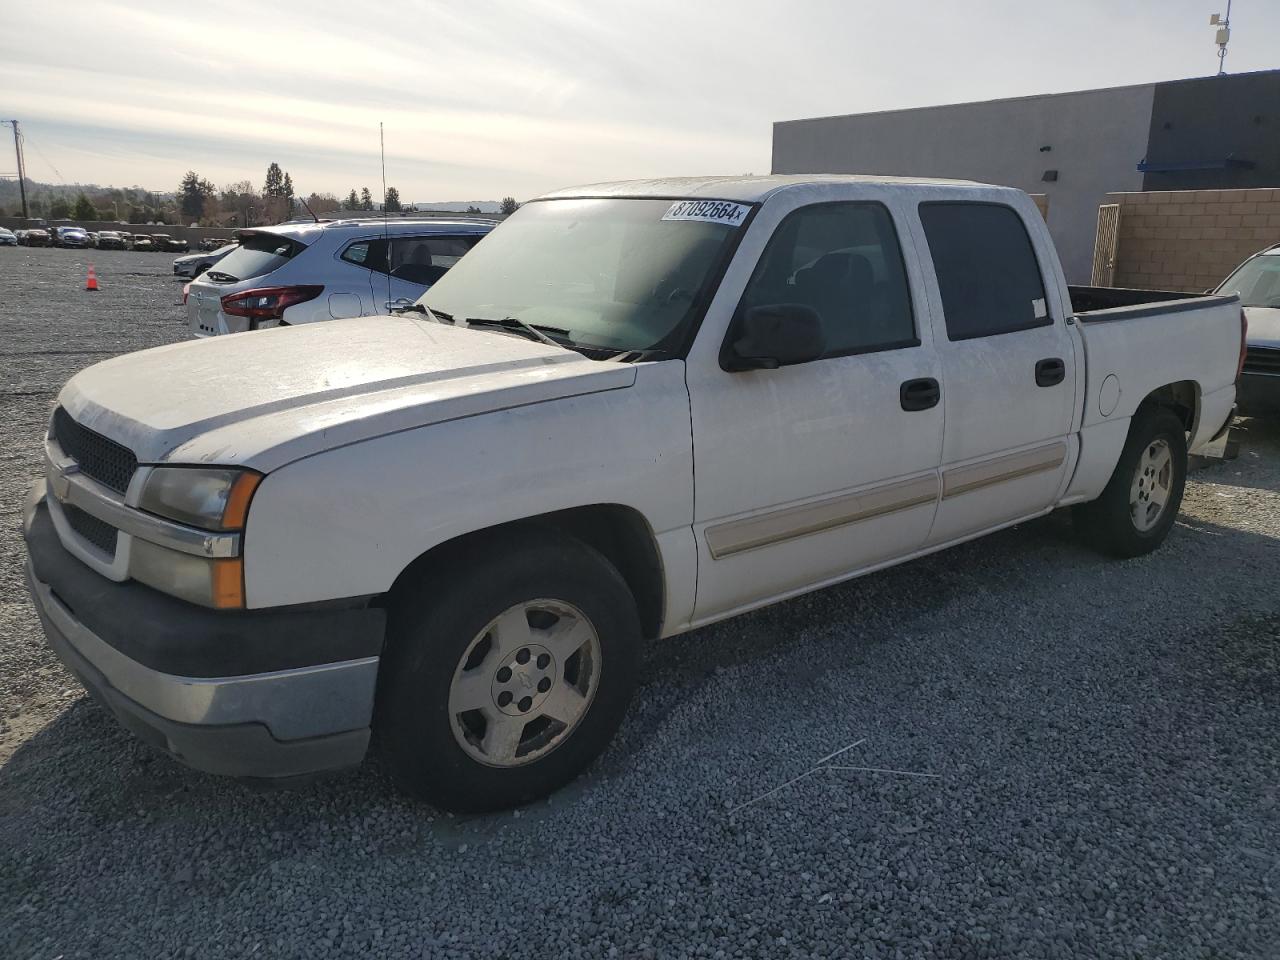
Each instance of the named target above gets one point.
<point>346,522</point>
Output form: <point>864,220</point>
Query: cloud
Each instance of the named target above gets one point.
<point>483,98</point>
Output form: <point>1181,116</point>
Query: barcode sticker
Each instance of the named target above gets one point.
<point>708,211</point>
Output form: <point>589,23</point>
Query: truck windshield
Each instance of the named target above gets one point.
<point>616,274</point>
<point>1257,282</point>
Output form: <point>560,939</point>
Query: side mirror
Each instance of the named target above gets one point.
<point>776,335</point>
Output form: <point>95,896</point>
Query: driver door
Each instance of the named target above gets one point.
<point>806,474</point>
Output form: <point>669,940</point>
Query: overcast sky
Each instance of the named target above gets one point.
<point>483,98</point>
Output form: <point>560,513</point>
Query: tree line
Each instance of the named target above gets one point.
<point>198,200</point>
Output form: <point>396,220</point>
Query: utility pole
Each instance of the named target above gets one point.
<point>22,170</point>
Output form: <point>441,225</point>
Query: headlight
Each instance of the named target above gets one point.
<point>211,498</point>
<point>214,498</point>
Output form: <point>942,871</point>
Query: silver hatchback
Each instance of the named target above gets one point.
<point>306,272</point>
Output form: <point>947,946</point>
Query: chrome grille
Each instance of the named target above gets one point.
<point>106,461</point>
<point>98,532</point>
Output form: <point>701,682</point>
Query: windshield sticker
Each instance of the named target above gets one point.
<point>708,211</point>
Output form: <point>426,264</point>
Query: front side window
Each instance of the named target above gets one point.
<point>844,261</point>
<point>988,275</point>
<point>1257,282</point>
<point>624,274</point>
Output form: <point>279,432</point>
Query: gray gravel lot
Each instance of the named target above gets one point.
<point>1102,738</point>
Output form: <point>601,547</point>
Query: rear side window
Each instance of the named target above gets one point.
<point>257,255</point>
<point>421,260</point>
<point>844,261</point>
<point>987,270</point>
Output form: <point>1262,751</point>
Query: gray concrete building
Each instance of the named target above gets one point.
<point>1202,134</point>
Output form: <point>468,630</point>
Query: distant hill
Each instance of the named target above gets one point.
<point>459,206</point>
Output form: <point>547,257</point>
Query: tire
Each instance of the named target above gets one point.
<point>450,638</point>
<point>1123,521</point>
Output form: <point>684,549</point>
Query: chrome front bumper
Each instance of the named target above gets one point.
<point>281,723</point>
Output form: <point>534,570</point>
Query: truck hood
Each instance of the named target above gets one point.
<point>1264,326</point>
<point>265,398</point>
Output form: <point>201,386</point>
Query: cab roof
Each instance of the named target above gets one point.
<point>744,189</point>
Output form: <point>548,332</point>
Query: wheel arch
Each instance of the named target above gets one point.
<point>620,533</point>
<point>1182,398</point>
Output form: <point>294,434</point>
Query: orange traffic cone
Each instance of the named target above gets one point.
<point>92,282</point>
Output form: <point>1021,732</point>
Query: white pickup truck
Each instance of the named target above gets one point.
<point>633,409</point>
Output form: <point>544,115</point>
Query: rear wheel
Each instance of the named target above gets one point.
<point>1140,502</point>
<point>508,673</point>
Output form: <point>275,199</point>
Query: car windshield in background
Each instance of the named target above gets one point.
<point>616,274</point>
<point>1257,283</point>
<point>257,255</point>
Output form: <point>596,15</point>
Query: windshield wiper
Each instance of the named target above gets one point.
<point>534,332</point>
<point>437,315</point>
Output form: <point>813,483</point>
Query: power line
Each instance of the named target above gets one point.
<point>55,170</point>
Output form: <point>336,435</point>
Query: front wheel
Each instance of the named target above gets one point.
<point>508,671</point>
<point>1140,502</point>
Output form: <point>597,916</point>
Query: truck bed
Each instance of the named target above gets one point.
<point>1092,304</point>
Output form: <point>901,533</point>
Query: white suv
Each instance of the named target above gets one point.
<point>304,272</point>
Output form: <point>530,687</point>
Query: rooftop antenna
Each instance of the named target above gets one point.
<point>1222,37</point>
<point>386,233</point>
<point>309,210</point>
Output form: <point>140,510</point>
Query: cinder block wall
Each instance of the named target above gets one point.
<point>1191,239</point>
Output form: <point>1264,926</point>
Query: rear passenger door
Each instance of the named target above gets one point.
<point>1008,368</point>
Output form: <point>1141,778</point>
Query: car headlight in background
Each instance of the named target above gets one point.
<point>211,498</point>
<point>214,498</point>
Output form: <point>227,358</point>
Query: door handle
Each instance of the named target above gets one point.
<point>1050,372</point>
<point>920,394</point>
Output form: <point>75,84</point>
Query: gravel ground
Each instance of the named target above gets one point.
<point>1100,740</point>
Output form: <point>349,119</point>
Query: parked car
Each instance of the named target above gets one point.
<point>1257,283</point>
<point>75,237</point>
<point>7,238</point>
<point>142,241</point>
<point>112,240</point>
<point>460,522</point>
<point>304,272</point>
<point>169,243</point>
<point>93,237</point>
<point>35,237</point>
<point>212,243</point>
<point>195,264</point>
